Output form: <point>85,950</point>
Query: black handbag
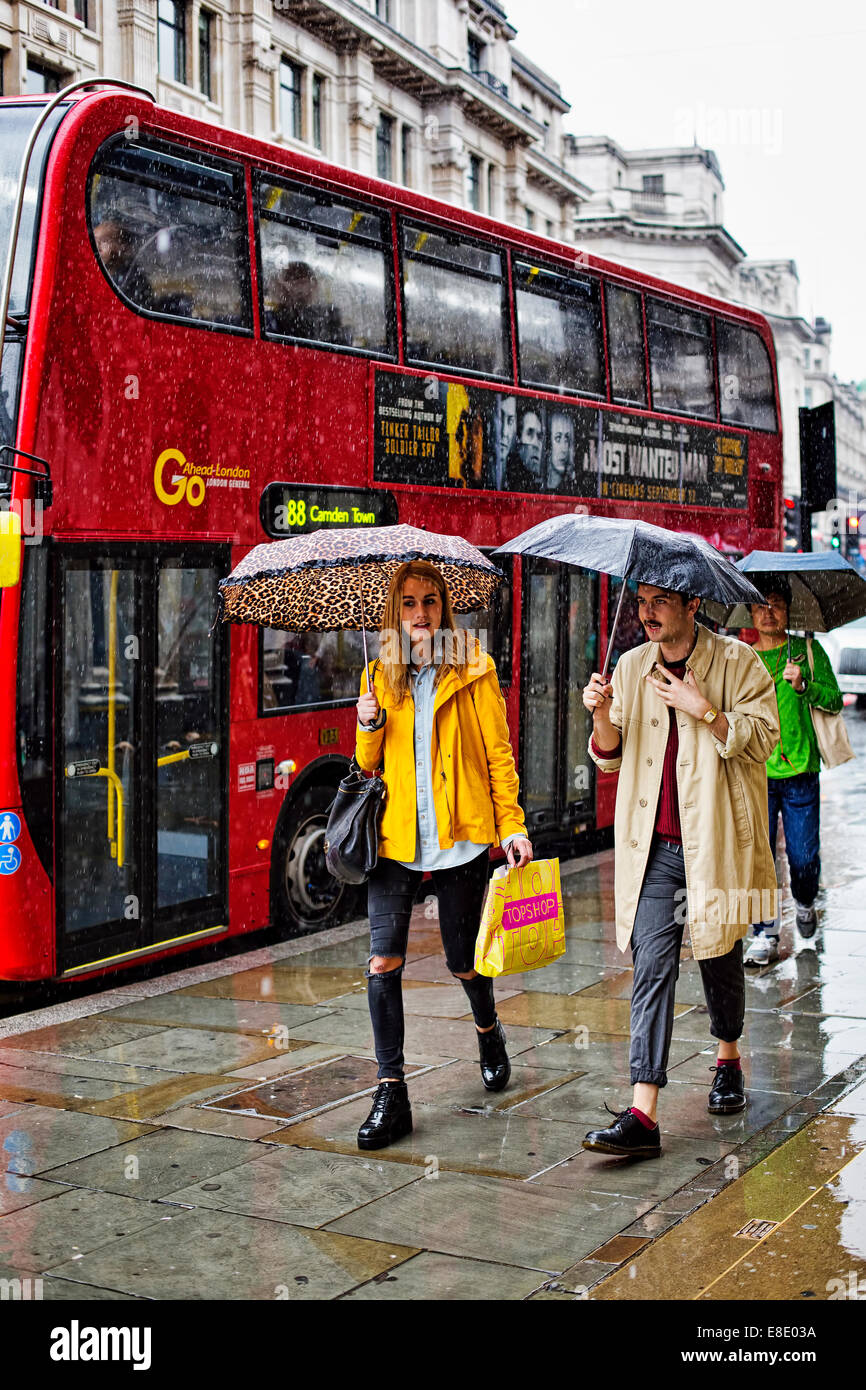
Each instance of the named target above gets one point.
<point>352,832</point>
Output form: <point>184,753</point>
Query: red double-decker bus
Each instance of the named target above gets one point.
<point>212,341</point>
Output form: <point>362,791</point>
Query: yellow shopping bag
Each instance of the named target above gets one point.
<point>522,925</point>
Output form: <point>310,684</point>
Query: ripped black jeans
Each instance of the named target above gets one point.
<point>390,898</point>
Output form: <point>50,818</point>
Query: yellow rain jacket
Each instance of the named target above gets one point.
<point>475,784</point>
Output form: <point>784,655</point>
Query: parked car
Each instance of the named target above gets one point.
<point>846,648</point>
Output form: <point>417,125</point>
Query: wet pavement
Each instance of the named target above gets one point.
<point>193,1136</point>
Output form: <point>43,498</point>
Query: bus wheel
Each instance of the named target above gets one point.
<point>305,895</point>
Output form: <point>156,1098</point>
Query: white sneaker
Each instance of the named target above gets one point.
<point>762,950</point>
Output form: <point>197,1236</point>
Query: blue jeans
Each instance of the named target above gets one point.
<point>798,800</point>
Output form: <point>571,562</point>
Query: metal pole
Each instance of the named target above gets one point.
<point>25,169</point>
<point>363,627</point>
<point>612,633</point>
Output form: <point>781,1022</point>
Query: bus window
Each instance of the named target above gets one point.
<point>453,303</point>
<point>169,229</point>
<point>324,269</point>
<point>558,331</point>
<point>299,669</point>
<point>493,625</point>
<point>681,359</point>
<point>745,377</point>
<point>625,346</point>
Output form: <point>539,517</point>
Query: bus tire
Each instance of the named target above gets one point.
<point>305,897</point>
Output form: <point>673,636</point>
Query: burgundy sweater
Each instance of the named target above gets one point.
<point>668,810</point>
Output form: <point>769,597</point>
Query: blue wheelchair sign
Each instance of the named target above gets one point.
<point>10,827</point>
<point>10,859</point>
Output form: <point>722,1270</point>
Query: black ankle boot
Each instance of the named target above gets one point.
<point>495,1066</point>
<point>389,1120</point>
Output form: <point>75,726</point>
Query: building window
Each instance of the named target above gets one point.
<point>491,189</point>
<point>653,183</point>
<point>807,396</point>
<point>385,147</point>
<point>475,51</point>
<point>42,80</point>
<point>383,11</point>
<point>171,27</point>
<point>290,99</point>
<point>548,227</point>
<point>318,101</point>
<point>406,154</point>
<point>530,219</point>
<point>205,52</point>
<point>806,358</point>
<point>82,12</point>
<point>473,183</point>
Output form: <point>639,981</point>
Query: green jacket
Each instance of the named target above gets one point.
<point>797,749</point>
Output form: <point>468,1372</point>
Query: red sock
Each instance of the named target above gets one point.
<point>729,1062</point>
<point>644,1119</point>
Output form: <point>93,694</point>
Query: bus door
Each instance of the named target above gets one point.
<point>559,645</point>
<point>141,721</point>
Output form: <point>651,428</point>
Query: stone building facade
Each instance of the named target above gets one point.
<point>662,211</point>
<point>428,93</point>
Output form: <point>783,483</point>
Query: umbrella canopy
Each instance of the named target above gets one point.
<point>339,578</point>
<point>635,550</point>
<point>826,591</point>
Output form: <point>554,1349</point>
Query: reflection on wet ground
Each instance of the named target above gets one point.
<point>200,1142</point>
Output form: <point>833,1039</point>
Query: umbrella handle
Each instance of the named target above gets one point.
<point>363,631</point>
<point>612,632</point>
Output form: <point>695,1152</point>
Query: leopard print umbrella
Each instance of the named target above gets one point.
<point>328,579</point>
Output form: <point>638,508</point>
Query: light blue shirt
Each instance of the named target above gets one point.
<point>428,855</point>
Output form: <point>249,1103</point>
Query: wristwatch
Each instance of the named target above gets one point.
<point>711,715</point>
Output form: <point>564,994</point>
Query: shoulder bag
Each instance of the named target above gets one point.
<point>831,734</point>
<point>352,832</point>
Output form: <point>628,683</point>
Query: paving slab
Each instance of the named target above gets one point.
<point>508,1223</point>
<point>785,1071</point>
<point>304,1092</point>
<point>235,1015</point>
<point>80,1037</point>
<point>441,1037</point>
<point>156,1163</point>
<point>35,1087</point>
<point>69,1290</point>
<point>17,1191</point>
<point>191,1049</point>
<point>565,1012</point>
<point>651,1180</point>
<point>603,1053</point>
<point>69,1225</point>
<point>301,1186</point>
<point>293,981</point>
<point>431,1000</point>
<point>467,1140</point>
<point>460,1084</point>
<point>29,1059</point>
<point>430,1277</point>
<point>40,1138</point>
<point>220,1255</point>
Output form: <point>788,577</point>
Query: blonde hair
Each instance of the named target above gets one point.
<point>395,669</point>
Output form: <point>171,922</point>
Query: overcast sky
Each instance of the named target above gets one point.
<point>795,171</point>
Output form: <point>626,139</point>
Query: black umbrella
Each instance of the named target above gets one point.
<point>826,591</point>
<point>635,550</point>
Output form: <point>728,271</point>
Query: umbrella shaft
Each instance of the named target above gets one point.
<point>612,633</point>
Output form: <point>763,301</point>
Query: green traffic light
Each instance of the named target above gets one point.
<point>835,542</point>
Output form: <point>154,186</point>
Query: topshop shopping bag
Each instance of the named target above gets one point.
<point>522,925</point>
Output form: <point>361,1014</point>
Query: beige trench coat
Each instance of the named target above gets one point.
<point>730,874</point>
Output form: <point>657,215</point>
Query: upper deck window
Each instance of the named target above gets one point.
<point>169,228</point>
<point>325,275</point>
<point>453,303</point>
<point>681,359</point>
<point>559,331</point>
<point>745,377</point>
<point>625,346</point>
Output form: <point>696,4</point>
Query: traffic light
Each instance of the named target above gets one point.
<point>853,547</point>
<point>836,530</point>
<point>793,523</point>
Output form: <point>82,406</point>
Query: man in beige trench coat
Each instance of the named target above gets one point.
<point>689,721</point>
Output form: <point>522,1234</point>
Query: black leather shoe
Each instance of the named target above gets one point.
<point>727,1093</point>
<point>627,1137</point>
<point>495,1066</point>
<point>390,1119</point>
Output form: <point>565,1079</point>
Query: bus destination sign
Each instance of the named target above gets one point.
<point>447,434</point>
<point>294,509</point>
